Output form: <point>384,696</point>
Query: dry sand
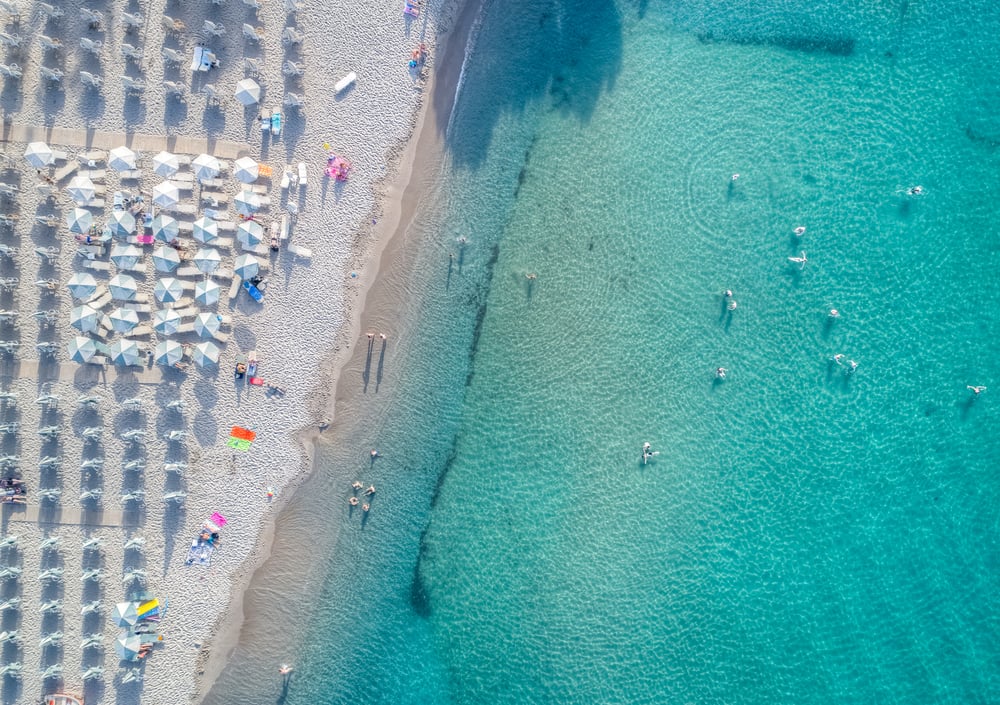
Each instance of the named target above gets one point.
<point>307,313</point>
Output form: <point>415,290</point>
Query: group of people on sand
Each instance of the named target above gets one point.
<point>357,486</point>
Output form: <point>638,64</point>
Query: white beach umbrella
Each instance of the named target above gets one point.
<point>127,647</point>
<point>125,256</point>
<point>82,349</point>
<point>205,167</point>
<point>246,266</point>
<point>79,221</point>
<point>166,321</point>
<point>81,189</point>
<point>39,155</point>
<point>81,285</point>
<point>207,324</point>
<point>207,292</point>
<point>205,230</point>
<point>125,614</point>
<point>123,287</point>
<point>121,159</point>
<point>250,233</point>
<point>207,259</point>
<point>247,202</point>
<point>168,290</point>
<point>205,354</point>
<point>166,258</point>
<point>124,352</point>
<point>246,170</point>
<point>122,224</point>
<point>168,352</point>
<point>165,228</point>
<point>166,194</point>
<point>84,318</point>
<point>166,164</point>
<point>248,92</point>
<point>124,320</point>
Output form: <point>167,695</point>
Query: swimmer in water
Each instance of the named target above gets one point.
<point>915,190</point>
<point>800,260</point>
<point>800,231</point>
<point>834,313</point>
<point>977,390</point>
<point>839,358</point>
<point>374,453</point>
<point>285,669</point>
<point>852,366</point>
<point>353,501</point>
<point>728,294</point>
<point>734,177</point>
<point>731,305</point>
<point>357,485</point>
<point>720,372</point>
<point>365,507</point>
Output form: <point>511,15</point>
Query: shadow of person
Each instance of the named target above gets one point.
<point>367,372</point>
<point>381,365</point>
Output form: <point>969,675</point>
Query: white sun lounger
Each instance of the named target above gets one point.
<point>283,229</point>
<point>64,171</point>
<point>92,157</point>
<point>101,290</point>
<point>97,265</point>
<point>183,209</point>
<point>260,249</point>
<point>188,272</point>
<point>94,174</point>
<point>140,331</point>
<point>234,288</point>
<point>259,189</point>
<point>139,267</point>
<point>183,179</point>
<point>226,226</point>
<point>137,307</point>
<point>130,174</point>
<point>300,251</point>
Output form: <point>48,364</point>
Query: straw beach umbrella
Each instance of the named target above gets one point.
<point>122,224</point>
<point>125,614</point>
<point>205,167</point>
<point>246,266</point>
<point>123,287</point>
<point>81,189</point>
<point>127,647</point>
<point>81,285</point>
<point>124,352</point>
<point>207,324</point>
<point>168,290</point>
<point>207,292</point>
<point>79,221</point>
<point>121,159</point>
<point>166,321</point>
<point>168,352</point>
<point>246,170</point>
<point>166,194</point>
<point>125,256</point>
<point>205,354</point>
<point>82,349</point>
<point>165,228</point>
<point>248,92</point>
<point>84,318</point>
<point>250,233</point>
<point>39,155</point>
<point>206,230</point>
<point>207,259</point>
<point>166,164</point>
<point>166,259</point>
<point>247,202</point>
<point>123,320</point>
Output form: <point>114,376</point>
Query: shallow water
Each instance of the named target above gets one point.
<point>804,535</point>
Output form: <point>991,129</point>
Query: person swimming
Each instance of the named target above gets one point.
<point>800,231</point>
<point>720,372</point>
<point>834,313</point>
<point>800,260</point>
<point>915,190</point>
<point>357,485</point>
<point>728,294</point>
<point>285,669</point>
<point>839,358</point>
<point>977,390</point>
<point>353,501</point>
<point>851,367</point>
<point>731,306</point>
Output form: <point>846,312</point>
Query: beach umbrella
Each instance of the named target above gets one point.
<point>247,202</point>
<point>79,221</point>
<point>165,228</point>
<point>248,92</point>
<point>168,352</point>
<point>166,321</point>
<point>121,159</point>
<point>207,292</point>
<point>84,318</point>
<point>166,194</point>
<point>125,256</point>
<point>124,320</point>
<point>39,155</point>
<point>125,614</point>
<point>168,290</point>
<point>246,266</point>
<point>205,167</point>
<point>246,170</point>
<point>81,189</point>
<point>205,354</point>
<point>207,259</point>
<point>82,349</point>
<point>166,259</point>
<point>123,287</point>
<point>127,647</point>
<point>205,230</point>
<point>121,223</point>
<point>166,164</point>
<point>250,233</point>
<point>81,285</point>
<point>124,352</point>
<point>207,324</point>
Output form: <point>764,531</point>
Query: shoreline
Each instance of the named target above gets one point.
<point>396,205</point>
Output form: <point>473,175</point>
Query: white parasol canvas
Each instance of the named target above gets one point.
<point>125,614</point>
<point>81,189</point>
<point>122,224</point>
<point>168,290</point>
<point>246,266</point>
<point>81,285</point>
<point>123,320</point>
<point>121,159</point>
<point>166,194</point>
<point>205,167</point>
<point>246,170</point>
<point>207,292</point>
<point>82,349</point>
<point>123,287</point>
<point>207,324</point>
<point>166,258</point>
<point>250,233</point>
<point>168,352</point>
<point>165,228</point>
<point>166,164</point>
<point>124,352</point>
<point>125,256</point>
<point>247,202</point>
<point>207,259</point>
<point>248,92</point>
<point>166,321</point>
<point>205,230</point>
<point>84,318</point>
<point>39,155</point>
<point>205,354</point>
<point>79,220</point>
<point>127,647</point>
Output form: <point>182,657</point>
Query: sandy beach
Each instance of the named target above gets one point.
<point>147,451</point>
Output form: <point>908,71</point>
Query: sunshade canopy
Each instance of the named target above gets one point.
<point>250,233</point>
<point>123,319</point>
<point>81,285</point>
<point>168,290</point>
<point>248,92</point>
<point>39,154</point>
<point>205,166</point>
<point>166,258</point>
<point>205,354</point>
<point>79,220</point>
<point>82,349</point>
<point>122,223</point>
<point>84,318</point>
<point>246,266</point>
<point>125,614</point>
<point>81,189</point>
<point>168,352</point>
<point>124,352</point>
<point>207,324</point>
<point>205,230</point>
<point>127,647</point>
<point>166,194</point>
<point>123,287</point>
<point>121,159</point>
<point>166,321</point>
<point>207,259</point>
<point>246,170</point>
<point>165,228</point>
<point>207,292</point>
<point>125,255</point>
<point>166,164</point>
<point>247,202</point>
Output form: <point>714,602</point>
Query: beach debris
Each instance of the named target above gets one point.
<point>11,636</point>
<point>92,641</point>
<point>10,571</point>
<point>172,25</point>
<point>137,464</point>
<point>51,12</point>
<point>47,317</point>
<point>131,21</point>
<point>133,84</point>
<point>137,575</point>
<point>48,43</point>
<point>48,431</point>
<point>176,435</point>
<point>252,66</point>
<point>10,71</point>
<point>94,46</point>
<point>131,52</point>
<point>48,399</point>
<point>51,606</point>
<point>178,468</point>
<point>292,36</point>
<point>50,494</point>
<point>90,401</point>
<point>9,541</point>
<point>92,673</point>
<point>131,675</point>
<point>93,544</point>
<point>92,464</point>
<point>51,575</point>
<point>91,607</point>
<point>177,405</point>
<point>90,80</point>
<point>50,542</point>
<point>212,29</point>
<point>255,34</point>
<point>55,670</point>
<point>177,497</point>
<point>95,574</point>
<point>94,494</point>
<point>133,403</point>
<point>93,18</point>
<point>48,461</point>
<point>12,670</point>
<point>293,100</point>
<point>136,435</point>
<point>172,56</point>
<point>11,604</point>
<point>136,496</point>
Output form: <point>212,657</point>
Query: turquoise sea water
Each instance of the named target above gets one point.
<point>804,536</point>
